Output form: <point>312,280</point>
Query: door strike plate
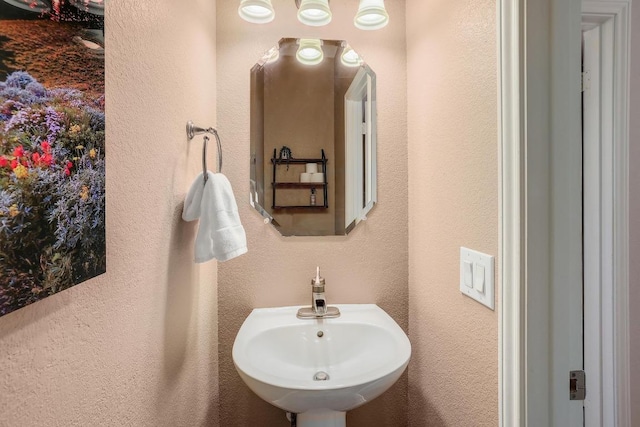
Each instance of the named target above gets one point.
<point>577,388</point>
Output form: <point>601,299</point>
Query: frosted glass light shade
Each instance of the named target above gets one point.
<point>371,15</point>
<point>350,58</point>
<point>310,51</point>
<point>256,11</point>
<point>314,12</point>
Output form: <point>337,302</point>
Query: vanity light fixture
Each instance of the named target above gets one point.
<point>371,15</point>
<point>256,11</point>
<point>310,51</point>
<point>314,13</point>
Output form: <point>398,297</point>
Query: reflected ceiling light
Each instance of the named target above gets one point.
<point>314,13</point>
<point>256,11</point>
<point>310,51</point>
<point>371,15</point>
<point>272,55</point>
<point>350,57</point>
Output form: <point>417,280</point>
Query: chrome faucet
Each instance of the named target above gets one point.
<point>319,308</point>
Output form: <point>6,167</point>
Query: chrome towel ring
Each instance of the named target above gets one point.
<point>192,131</point>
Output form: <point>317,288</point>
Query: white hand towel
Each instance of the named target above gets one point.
<point>220,233</point>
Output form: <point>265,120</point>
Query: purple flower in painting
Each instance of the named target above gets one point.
<point>51,222</point>
<point>52,120</point>
<point>96,120</point>
<point>19,118</point>
<point>20,95</point>
<point>37,89</point>
<point>19,79</point>
<point>66,94</point>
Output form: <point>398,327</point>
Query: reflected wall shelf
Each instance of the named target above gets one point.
<point>275,185</point>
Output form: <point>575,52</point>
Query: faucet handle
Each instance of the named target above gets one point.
<point>317,280</point>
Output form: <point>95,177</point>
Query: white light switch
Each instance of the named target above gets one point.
<point>482,276</point>
<point>467,273</point>
<point>478,277</point>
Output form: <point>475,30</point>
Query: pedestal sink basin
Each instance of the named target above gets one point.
<point>320,368</point>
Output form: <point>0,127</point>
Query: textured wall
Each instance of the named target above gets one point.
<point>138,345</point>
<point>369,265</point>
<point>453,202</point>
<point>634,217</point>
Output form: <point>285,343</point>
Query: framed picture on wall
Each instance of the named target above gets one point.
<point>52,147</point>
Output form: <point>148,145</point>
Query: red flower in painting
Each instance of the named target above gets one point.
<point>36,158</point>
<point>14,164</point>
<point>47,159</point>
<point>18,151</point>
<point>67,172</point>
<point>45,146</point>
<point>69,164</point>
<point>3,161</point>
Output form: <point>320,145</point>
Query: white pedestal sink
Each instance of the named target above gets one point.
<point>320,368</point>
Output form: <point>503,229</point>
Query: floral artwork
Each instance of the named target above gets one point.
<point>52,147</point>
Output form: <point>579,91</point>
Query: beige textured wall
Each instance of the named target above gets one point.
<point>136,346</point>
<point>453,202</point>
<point>634,217</point>
<point>369,265</point>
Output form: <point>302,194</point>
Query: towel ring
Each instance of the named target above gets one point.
<point>192,131</point>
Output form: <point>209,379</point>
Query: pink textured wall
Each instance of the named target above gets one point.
<point>138,345</point>
<point>453,202</point>
<point>634,217</point>
<point>370,264</point>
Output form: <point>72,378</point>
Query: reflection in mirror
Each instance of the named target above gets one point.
<point>313,137</point>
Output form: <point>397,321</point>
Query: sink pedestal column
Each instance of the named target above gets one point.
<point>322,418</point>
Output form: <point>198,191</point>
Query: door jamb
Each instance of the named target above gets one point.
<point>526,394</point>
<point>613,251</point>
<point>511,367</point>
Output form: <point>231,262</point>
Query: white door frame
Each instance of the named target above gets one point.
<point>511,323</point>
<point>357,179</point>
<point>607,40</point>
<point>540,162</point>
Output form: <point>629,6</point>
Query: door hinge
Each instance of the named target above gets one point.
<point>586,80</point>
<point>577,387</point>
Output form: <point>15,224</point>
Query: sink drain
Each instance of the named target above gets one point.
<point>321,376</point>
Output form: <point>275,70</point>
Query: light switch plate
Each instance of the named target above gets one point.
<point>479,260</point>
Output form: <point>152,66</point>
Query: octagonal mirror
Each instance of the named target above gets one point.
<point>313,137</point>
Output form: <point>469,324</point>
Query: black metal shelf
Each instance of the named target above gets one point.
<point>295,161</point>
<point>301,207</point>
<point>298,185</point>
